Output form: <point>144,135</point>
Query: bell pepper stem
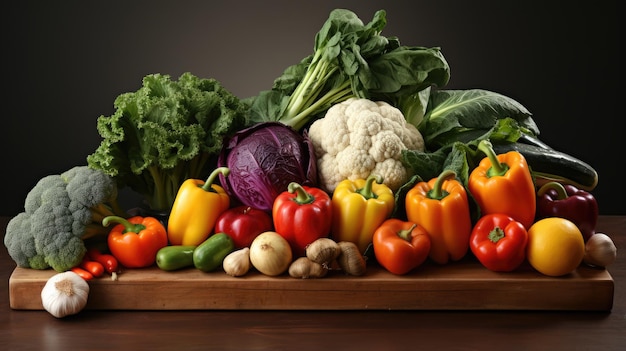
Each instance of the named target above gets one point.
<point>128,227</point>
<point>406,233</point>
<point>302,196</point>
<point>495,234</point>
<point>366,191</point>
<point>558,187</point>
<point>437,192</point>
<point>497,168</point>
<point>207,186</point>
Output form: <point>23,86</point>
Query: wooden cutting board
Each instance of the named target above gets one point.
<point>462,285</point>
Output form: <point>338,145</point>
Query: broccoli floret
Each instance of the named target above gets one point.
<point>61,212</point>
<point>20,243</point>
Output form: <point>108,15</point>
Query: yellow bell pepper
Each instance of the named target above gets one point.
<point>196,208</point>
<point>359,207</point>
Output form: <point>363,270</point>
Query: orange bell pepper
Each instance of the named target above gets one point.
<point>135,241</point>
<point>504,184</point>
<point>442,208</point>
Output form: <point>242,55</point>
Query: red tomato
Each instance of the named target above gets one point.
<point>243,224</point>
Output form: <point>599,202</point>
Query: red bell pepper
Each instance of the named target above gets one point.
<point>499,242</point>
<point>569,202</point>
<point>400,246</point>
<point>301,215</point>
<point>135,241</point>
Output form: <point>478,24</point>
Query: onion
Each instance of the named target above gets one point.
<point>270,253</point>
<point>600,250</point>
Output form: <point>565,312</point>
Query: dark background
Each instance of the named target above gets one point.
<point>71,59</point>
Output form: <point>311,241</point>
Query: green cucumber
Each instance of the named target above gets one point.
<point>210,254</point>
<point>551,164</point>
<point>173,257</point>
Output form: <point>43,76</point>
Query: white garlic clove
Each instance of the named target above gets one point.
<point>237,263</point>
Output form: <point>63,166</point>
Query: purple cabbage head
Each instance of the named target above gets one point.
<point>263,159</point>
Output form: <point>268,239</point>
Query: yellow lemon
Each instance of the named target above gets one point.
<point>555,246</point>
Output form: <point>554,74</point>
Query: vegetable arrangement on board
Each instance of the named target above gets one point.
<point>356,156</point>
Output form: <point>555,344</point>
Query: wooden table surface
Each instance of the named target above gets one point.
<point>317,330</point>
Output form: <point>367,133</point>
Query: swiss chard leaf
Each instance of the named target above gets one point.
<point>454,115</point>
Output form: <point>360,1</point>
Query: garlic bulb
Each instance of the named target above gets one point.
<point>600,250</point>
<point>64,294</point>
<point>237,263</point>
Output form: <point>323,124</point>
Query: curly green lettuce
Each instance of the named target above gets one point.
<point>166,132</point>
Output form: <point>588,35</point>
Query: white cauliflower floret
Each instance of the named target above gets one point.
<point>327,172</point>
<point>330,143</point>
<point>355,162</point>
<point>386,145</point>
<point>393,172</point>
<point>360,137</point>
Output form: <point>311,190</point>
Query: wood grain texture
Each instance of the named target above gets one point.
<point>464,285</point>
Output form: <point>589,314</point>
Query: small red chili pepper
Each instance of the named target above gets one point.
<point>109,262</point>
<point>82,273</point>
<point>499,242</point>
<point>95,268</point>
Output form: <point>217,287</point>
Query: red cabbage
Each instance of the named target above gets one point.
<point>263,159</point>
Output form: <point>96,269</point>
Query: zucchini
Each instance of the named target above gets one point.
<point>548,164</point>
<point>173,257</point>
<point>211,253</point>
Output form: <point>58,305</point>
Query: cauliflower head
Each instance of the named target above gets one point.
<point>60,212</point>
<point>359,137</point>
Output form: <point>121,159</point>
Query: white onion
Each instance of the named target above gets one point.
<point>270,253</point>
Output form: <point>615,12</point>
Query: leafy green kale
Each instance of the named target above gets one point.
<point>61,212</point>
<point>166,132</point>
<point>350,59</point>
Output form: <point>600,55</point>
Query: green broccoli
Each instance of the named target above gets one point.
<point>60,213</point>
<point>166,132</point>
